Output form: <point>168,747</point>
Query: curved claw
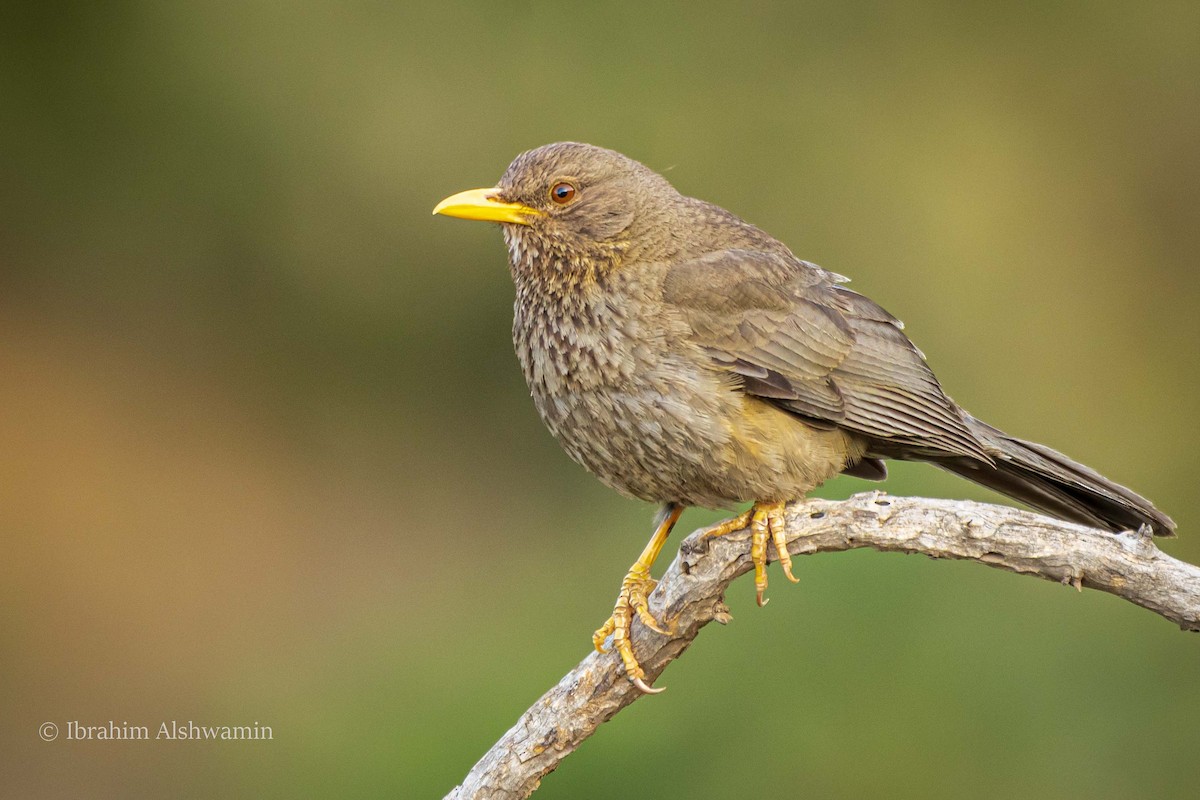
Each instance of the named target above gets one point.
<point>646,688</point>
<point>643,612</point>
<point>775,526</point>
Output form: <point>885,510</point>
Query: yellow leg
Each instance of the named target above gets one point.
<point>635,591</point>
<point>765,521</point>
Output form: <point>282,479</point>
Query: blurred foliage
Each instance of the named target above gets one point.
<point>269,456</point>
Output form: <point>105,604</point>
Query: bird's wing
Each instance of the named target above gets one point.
<point>798,338</point>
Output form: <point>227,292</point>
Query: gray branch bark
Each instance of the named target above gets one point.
<point>691,591</point>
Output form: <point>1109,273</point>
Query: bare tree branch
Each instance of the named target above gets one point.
<point>690,595</point>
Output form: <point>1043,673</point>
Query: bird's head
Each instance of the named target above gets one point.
<point>575,202</point>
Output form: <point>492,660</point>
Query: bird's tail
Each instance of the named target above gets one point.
<point>1051,482</point>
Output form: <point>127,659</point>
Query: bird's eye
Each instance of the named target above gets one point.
<point>562,193</point>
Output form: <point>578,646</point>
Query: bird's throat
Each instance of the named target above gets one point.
<point>556,264</point>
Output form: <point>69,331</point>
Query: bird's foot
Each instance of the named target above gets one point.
<point>633,599</point>
<point>765,521</point>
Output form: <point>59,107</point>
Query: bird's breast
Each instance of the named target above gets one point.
<point>620,388</point>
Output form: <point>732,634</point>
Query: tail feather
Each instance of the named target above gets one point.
<point>1051,482</point>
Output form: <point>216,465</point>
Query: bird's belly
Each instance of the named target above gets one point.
<point>689,436</point>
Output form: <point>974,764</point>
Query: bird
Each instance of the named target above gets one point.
<point>686,357</point>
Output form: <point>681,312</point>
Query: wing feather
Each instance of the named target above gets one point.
<point>800,339</point>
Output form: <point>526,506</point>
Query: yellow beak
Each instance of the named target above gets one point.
<point>482,204</point>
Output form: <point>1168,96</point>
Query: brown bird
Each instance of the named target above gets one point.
<point>685,357</point>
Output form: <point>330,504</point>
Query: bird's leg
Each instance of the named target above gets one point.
<point>635,590</point>
<point>766,522</point>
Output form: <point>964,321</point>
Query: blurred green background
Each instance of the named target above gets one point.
<point>268,455</point>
